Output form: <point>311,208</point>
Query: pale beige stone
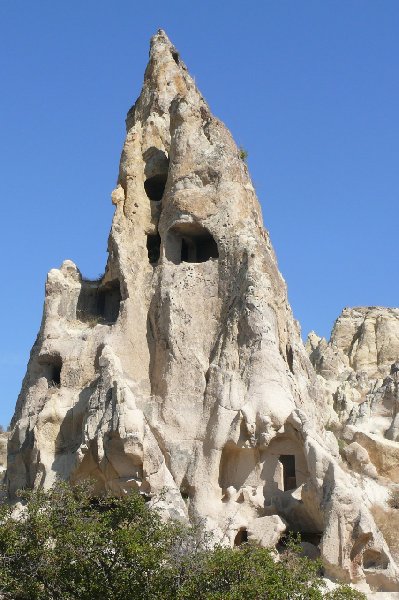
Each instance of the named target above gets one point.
<point>183,368</point>
<point>3,453</point>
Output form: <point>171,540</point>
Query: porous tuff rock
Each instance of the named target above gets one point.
<point>183,368</point>
<point>360,371</point>
<point>3,453</point>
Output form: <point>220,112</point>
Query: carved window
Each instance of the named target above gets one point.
<point>190,242</point>
<point>51,366</point>
<point>289,474</point>
<point>99,304</point>
<point>153,248</point>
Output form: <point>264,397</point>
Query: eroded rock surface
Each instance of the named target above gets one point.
<point>359,370</point>
<point>3,454</point>
<point>183,368</point>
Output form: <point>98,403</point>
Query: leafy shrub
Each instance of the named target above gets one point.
<point>243,154</point>
<point>68,545</point>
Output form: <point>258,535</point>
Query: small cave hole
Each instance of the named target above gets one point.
<point>146,497</point>
<point>175,56</point>
<point>241,537</point>
<point>99,304</point>
<point>51,369</point>
<point>191,243</point>
<point>153,247</point>
<point>290,358</point>
<point>56,375</point>
<point>372,559</point>
<point>186,490</point>
<point>289,474</point>
<point>155,186</point>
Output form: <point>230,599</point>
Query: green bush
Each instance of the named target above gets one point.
<point>243,154</point>
<point>68,545</point>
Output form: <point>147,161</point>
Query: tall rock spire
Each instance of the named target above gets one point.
<point>182,367</point>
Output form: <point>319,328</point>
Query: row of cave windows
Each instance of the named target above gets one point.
<point>289,480</point>
<point>185,243</point>
<point>189,243</point>
<point>101,304</point>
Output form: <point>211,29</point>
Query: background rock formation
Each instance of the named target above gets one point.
<point>359,370</point>
<point>182,367</point>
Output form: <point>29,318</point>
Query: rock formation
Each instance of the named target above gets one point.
<point>360,365</point>
<point>359,370</point>
<point>182,368</point>
<point>3,454</point>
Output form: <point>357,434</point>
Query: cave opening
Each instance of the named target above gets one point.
<point>191,243</point>
<point>155,186</point>
<point>309,540</point>
<point>290,358</point>
<point>99,303</point>
<point>153,247</point>
<point>289,473</point>
<point>51,366</point>
<point>241,537</point>
<point>372,559</point>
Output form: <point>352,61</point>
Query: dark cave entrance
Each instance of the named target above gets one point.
<point>99,303</point>
<point>241,537</point>
<point>51,366</point>
<point>155,186</point>
<point>191,243</point>
<point>289,474</point>
<point>153,247</point>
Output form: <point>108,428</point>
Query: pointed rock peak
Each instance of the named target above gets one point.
<point>161,46</point>
<point>160,37</point>
<point>187,348</point>
<point>166,78</point>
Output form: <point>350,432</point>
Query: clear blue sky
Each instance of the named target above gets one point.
<point>309,88</point>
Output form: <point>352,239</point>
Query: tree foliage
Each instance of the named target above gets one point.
<point>68,545</point>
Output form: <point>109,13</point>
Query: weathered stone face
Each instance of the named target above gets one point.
<point>359,371</point>
<point>183,368</point>
<point>3,454</point>
<point>360,368</point>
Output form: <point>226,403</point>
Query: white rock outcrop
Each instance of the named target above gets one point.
<point>3,453</point>
<point>359,370</point>
<point>182,367</point>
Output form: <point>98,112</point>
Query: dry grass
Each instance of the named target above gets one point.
<point>90,320</point>
<point>388,522</point>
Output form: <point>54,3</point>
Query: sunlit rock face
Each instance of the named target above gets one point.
<point>360,370</point>
<point>3,454</point>
<point>182,368</point>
